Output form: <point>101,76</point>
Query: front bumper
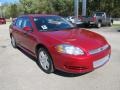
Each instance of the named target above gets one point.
<point>89,23</point>
<point>81,64</point>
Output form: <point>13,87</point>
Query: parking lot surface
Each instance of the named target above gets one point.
<point>20,72</point>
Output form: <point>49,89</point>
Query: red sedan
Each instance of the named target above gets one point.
<point>2,21</point>
<point>57,44</point>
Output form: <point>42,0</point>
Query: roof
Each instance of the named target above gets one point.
<point>37,15</point>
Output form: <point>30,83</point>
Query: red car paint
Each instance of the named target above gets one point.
<point>82,38</point>
<point>2,21</point>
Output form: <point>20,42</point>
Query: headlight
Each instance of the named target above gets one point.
<point>69,49</point>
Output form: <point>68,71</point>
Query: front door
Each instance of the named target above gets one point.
<point>28,38</point>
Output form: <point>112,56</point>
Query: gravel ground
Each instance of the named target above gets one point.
<point>20,72</point>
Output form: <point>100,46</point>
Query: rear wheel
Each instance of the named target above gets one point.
<point>111,23</point>
<point>45,61</point>
<point>99,24</point>
<point>13,42</point>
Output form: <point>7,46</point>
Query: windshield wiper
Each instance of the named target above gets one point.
<point>72,28</point>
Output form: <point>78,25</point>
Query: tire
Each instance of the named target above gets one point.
<point>99,25</point>
<point>87,25</point>
<point>13,42</point>
<point>110,24</point>
<point>45,61</point>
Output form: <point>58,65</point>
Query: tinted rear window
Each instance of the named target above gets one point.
<point>99,14</point>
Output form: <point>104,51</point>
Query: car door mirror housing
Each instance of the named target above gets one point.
<point>27,29</point>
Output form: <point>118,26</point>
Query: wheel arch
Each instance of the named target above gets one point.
<point>45,47</point>
<point>10,35</point>
<point>100,20</point>
<point>112,20</point>
<point>39,46</point>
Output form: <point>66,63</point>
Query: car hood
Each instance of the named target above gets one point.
<point>82,38</point>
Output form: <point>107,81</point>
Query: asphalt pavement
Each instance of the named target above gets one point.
<point>19,71</point>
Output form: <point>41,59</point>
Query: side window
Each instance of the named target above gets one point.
<point>19,22</point>
<point>26,22</point>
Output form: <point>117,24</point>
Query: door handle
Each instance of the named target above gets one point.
<point>25,33</point>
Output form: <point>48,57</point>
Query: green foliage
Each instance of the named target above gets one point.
<point>48,6</point>
<point>38,6</point>
<point>13,11</point>
<point>61,7</point>
<point>112,7</point>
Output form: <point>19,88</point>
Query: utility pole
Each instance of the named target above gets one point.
<point>76,9</point>
<point>84,3</point>
<point>0,9</point>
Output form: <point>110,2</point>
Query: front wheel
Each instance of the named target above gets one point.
<point>45,61</point>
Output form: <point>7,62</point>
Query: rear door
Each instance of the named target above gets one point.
<point>17,30</point>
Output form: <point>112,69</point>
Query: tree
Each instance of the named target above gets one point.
<point>38,6</point>
<point>109,6</point>
<point>13,11</point>
<point>61,7</point>
<point>10,10</point>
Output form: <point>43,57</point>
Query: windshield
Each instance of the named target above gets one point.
<point>50,23</point>
<point>99,14</point>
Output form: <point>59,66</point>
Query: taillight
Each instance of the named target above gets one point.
<point>81,18</point>
<point>94,18</point>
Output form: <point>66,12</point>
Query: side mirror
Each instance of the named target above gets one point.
<point>27,29</point>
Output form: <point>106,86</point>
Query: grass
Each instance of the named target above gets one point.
<point>116,25</point>
<point>9,23</point>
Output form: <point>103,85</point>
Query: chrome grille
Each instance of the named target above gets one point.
<point>99,49</point>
